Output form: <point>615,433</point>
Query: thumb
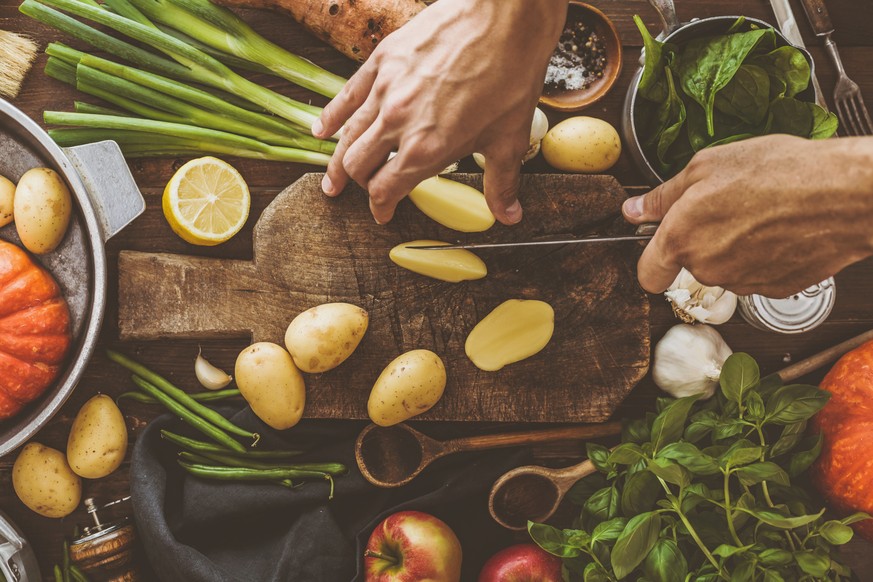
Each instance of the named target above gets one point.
<point>653,206</point>
<point>658,266</point>
<point>501,186</point>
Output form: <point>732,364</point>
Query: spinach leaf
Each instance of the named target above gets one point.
<point>675,123</point>
<point>747,96</point>
<point>788,69</point>
<point>802,119</point>
<point>652,85</point>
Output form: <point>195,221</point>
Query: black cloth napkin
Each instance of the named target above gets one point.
<point>197,530</point>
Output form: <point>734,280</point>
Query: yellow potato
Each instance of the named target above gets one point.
<point>42,210</point>
<point>272,385</point>
<point>408,386</point>
<point>452,204</point>
<point>321,338</point>
<point>582,144</point>
<point>7,195</point>
<point>44,482</point>
<point>454,265</point>
<point>515,330</point>
<point>98,438</point>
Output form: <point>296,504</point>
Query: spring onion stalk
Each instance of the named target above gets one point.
<point>229,60</point>
<point>61,70</point>
<point>127,10</point>
<point>111,94</point>
<point>83,107</point>
<point>221,29</point>
<point>203,67</point>
<point>211,140</point>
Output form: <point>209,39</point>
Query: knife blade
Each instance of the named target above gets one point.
<point>537,243</point>
<point>789,29</point>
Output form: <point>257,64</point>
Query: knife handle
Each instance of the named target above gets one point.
<point>818,17</point>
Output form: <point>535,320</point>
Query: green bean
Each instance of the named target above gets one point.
<point>198,396</point>
<point>59,576</point>
<point>77,574</point>
<point>329,468</point>
<point>204,447</point>
<point>180,396</point>
<point>65,562</point>
<point>201,460</point>
<point>189,417</point>
<point>242,474</point>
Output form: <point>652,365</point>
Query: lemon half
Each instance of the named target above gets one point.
<point>206,201</point>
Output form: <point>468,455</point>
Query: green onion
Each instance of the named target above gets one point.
<point>82,107</point>
<point>229,60</point>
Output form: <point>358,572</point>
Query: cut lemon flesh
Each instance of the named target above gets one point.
<point>206,201</point>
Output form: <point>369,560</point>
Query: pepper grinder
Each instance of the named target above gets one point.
<point>105,551</point>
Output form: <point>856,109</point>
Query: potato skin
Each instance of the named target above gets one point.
<point>323,337</point>
<point>7,197</point>
<point>44,482</point>
<point>272,385</point>
<point>582,144</point>
<point>410,385</point>
<point>98,438</point>
<point>42,209</point>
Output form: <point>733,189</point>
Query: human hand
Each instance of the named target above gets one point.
<point>460,77</point>
<point>770,215</point>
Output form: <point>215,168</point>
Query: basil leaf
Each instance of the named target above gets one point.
<point>729,429</point>
<point>755,409</point>
<point>766,471</point>
<point>775,519</point>
<point>601,506</point>
<point>696,431</point>
<point>594,573</point>
<point>690,457</point>
<point>742,452</point>
<point>773,576</point>
<point>641,491</point>
<point>744,572</point>
<point>670,472</point>
<point>625,454</point>
<point>812,563</point>
<point>855,518</point>
<point>769,385</point>
<point>739,374</point>
<point>791,435</point>
<point>670,423</point>
<point>801,461</point>
<point>836,533</point>
<point>585,488</point>
<point>665,562</point>
<point>634,543</point>
<point>694,495</point>
<point>794,403</point>
<point>564,544</point>
<point>608,531</point>
<point>727,550</point>
<point>635,431</point>
<point>599,455</point>
<point>775,557</point>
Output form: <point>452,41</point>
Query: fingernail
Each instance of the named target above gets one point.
<point>513,213</point>
<point>317,128</point>
<point>633,207</point>
<point>327,185</point>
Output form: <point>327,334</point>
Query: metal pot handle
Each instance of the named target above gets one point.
<point>113,192</point>
<point>667,11</point>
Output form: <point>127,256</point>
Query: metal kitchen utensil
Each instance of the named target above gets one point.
<point>788,27</point>
<point>534,493</point>
<point>395,455</point>
<point>683,32</point>
<point>105,199</point>
<point>644,232</point>
<point>849,102</point>
<point>17,561</point>
<point>105,550</point>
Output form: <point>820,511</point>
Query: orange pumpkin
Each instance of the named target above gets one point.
<point>34,329</point>
<point>844,470</point>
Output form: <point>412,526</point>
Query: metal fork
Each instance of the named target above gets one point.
<point>851,110</point>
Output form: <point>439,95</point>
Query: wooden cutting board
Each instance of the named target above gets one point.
<point>310,249</point>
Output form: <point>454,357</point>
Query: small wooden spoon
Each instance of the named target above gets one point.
<point>534,493</point>
<point>394,456</point>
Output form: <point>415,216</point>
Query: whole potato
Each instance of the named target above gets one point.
<point>272,385</point>
<point>98,438</point>
<point>44,482</point>
<point>582,144</point>
<point>408,386</point>
<point>321,338</point>
<point>7,197</point>
<point>42,208</point>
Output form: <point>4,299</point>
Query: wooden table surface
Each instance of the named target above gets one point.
<point>853,312</point>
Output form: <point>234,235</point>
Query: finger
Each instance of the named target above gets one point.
<point>353,94</point>
<point>336,177</point>
<point>658,266</point>
<point>394,180</point>
<point>653,206</point>
<point>367,154</point>
<point>502,173</point>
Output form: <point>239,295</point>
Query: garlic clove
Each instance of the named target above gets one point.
<point>692,301</point>
<point>688,360</point>
<point>209,376</point>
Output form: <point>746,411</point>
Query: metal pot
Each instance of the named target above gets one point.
<point>105,200</point>
<point>17,562</point>
<point>678,33</point>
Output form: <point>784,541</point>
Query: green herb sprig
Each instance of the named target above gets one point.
<point>702,491</point>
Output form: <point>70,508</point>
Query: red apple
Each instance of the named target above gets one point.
<point>411,546</point>
<point>522,563</point>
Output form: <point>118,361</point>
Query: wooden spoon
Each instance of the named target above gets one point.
<point>394,456</point>
<point>534,493</point>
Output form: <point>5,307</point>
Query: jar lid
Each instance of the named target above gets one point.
<point>798,313</point>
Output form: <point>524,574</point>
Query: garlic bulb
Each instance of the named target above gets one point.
<point>209,376</point>
<point>692,301</point>
<point>688,360</point>
<point>539,127</point>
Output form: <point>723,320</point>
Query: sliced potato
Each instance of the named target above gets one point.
<point>42,209</point>
<point>98,438</point>
<point>272,385</point>
<point>452,204</point>
<point>410,385</point>
<point>7,197</point>
<point>322,337</point>
<point>453,265</point>
<point>515,330</point>
<point>44,482</point>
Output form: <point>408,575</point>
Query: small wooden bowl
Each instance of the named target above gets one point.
<point>579,99</point>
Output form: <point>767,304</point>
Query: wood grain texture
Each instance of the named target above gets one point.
<point>310,249</point>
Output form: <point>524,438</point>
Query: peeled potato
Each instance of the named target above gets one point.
<point>321,338</point>
<point>98,438</point>
<point>44,482</point>
<point>454,265</point>
<point>272,385</point>
<point>582,144</point>
<point>452,204</point>
<point>515,330</point>
<point>42,209</point>
<point>410,385</point>
<point>7,197</point>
